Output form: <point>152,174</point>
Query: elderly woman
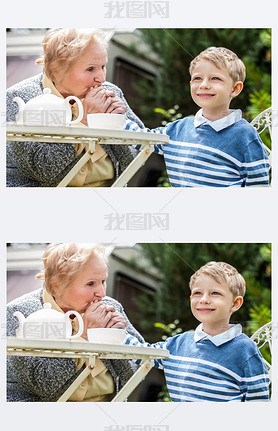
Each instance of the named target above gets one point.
<point>74,278</point>
<point>74,64</point>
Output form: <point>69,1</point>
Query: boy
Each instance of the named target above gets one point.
<point>216,148</point>
<point>216,362</point>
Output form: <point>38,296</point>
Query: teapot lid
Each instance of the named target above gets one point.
<point>45,313</point>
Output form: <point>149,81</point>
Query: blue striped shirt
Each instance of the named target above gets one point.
<point>204,369</point>
<point>201,155</point>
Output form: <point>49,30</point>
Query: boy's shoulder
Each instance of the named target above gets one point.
<point>183,339</point>
<point>244,126</point>
<point>244,341</point>
<point>243,347</point>
<point>179,128</point>
<point>240,127</point>
<point>241,342</point>
<point>182,122</point>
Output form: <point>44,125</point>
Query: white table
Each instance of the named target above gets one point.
<point>90,351</point>
<point>85,135</point>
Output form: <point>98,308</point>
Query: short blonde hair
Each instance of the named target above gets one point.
<point>222,58</point>
<point>63,47</point>
<point>64,261</point>
<point>222,272</point>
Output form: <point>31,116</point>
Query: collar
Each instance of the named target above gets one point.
<point>47,83</point>
<point>47,297</point>
<point>234,116</point>
<point>218,339</point>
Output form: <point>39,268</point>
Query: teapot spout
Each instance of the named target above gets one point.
<point>21,318</point>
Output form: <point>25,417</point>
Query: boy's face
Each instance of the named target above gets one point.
<point>212,304</point>
<point>213,89</point>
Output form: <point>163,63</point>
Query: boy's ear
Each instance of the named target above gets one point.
<point>238,301</point>
<point>238,86</point>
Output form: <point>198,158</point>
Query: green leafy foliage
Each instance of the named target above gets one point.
<point>170,114</point>
<point>169,330</point>
<point>163,180</point>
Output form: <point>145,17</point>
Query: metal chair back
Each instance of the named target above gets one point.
<point>263,337</point>
<point>263,122</point>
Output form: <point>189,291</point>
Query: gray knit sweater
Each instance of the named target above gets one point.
<point>45,379</point>
<point>33,164</point>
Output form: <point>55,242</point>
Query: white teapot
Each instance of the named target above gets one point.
<point>47,110</point>
<point>48,324</point>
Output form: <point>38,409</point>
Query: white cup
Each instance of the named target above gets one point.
<point>106,121</point>
<point>106,335</point>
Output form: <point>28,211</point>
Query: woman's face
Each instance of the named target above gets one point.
<point>88,71</point>
<point>87,287</point>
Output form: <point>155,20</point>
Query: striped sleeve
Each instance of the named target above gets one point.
<point>159,345</point>
<point>132,126</point>
<point>255,383</point>
<point>255,168</point>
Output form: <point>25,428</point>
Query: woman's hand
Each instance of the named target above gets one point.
<point>117,320</point>
<point>117,106</point>
<point>97,315</point>
<point>96,100</point>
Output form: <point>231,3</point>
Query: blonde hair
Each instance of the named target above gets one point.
<point>64,261</point>
<point>222,272</point>
<point>63,47</point>
<point>222,58</point>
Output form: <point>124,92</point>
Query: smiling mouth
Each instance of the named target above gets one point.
<point>205,310</point>
<point>205,95</point>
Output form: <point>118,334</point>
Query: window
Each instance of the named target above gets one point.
<point>126,291</point>
<point>126,75</point>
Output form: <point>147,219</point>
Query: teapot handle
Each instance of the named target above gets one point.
<point>80,109</point>
<point>80,322</point>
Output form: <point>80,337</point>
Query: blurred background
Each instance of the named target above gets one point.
<point>151,68</point>
<point>151,282</point>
